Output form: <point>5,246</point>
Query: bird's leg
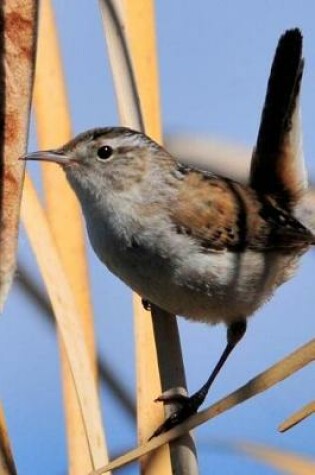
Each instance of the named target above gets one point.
<point>190,405</point>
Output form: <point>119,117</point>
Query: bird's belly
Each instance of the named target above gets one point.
<point>223,288</point>
<point>210,287</point>
<point>234,285</point>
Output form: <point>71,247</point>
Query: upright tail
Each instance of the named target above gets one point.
<point>278,167</point>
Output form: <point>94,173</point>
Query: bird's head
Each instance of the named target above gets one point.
<point>112,158</point>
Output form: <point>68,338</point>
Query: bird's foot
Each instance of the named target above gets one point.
<point>188,407</point>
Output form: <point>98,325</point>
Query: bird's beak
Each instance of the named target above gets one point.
<point>55,156</point>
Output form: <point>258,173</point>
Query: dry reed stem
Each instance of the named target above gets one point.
<point>7,465</point>
<point>220,156</point>
<point>64,215</point>
<point>297,417</point>
<point>114,22</point>
<point>17,50</point>
<point>140,32</point>
<point>107,375</point>
<point>265,380</point>
<point>287,462</point>
<point>154,373</point>
<point>128,102</point>
<point>68,320</point>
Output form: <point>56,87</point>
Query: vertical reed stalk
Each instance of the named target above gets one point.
<point>130,33</point>
<point>53,129</point>
<point>7,465</point>
<point>67,318</point>
<point>18,21</point>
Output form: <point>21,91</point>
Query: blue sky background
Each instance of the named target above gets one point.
<point>214,63</point>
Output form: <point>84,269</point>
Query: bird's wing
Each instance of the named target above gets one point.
<point>223,215</point>
<point>278,167</point>
<point>212,210</point>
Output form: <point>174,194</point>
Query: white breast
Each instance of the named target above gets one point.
<point>171,271</point>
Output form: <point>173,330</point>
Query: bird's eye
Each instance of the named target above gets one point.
<point>104,152</point>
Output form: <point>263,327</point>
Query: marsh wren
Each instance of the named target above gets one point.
<point>191,242</point>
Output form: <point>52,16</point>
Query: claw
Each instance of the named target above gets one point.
<point>146,305</point>
<point>173,420</point>
<point>190,406</point>
<point>172,399</point>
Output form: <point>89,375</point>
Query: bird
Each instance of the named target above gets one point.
<point>189,241</point>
